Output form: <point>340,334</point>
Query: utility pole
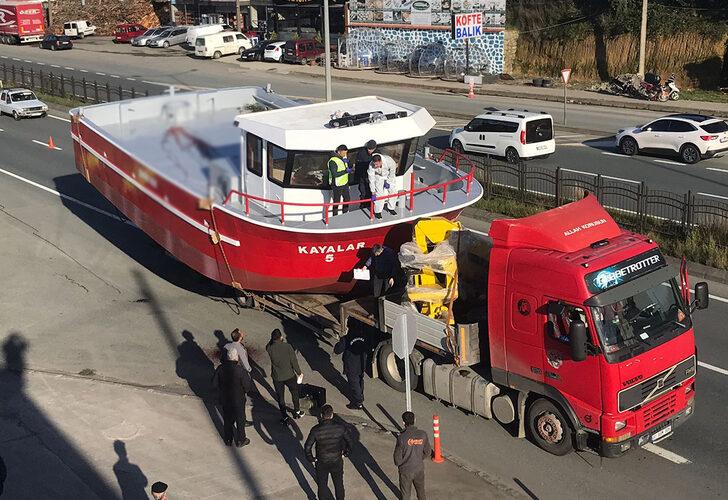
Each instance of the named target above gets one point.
<point>327,51</point>
<point>643,39</point>
<point>171,11</point>
<point>237,15</point>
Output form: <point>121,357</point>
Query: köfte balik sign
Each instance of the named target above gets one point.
<point>466,26</point>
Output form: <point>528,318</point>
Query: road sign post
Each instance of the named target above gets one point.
<point>565,76</point>
<point>404,336</point>
<point>465,27</point>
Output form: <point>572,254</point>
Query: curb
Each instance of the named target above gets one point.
<point>696,270</point>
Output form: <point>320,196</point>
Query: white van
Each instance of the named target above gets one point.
<point>221,44</point>
<point>203,30</point>
<point>79,29</point>
<point>512,134</point>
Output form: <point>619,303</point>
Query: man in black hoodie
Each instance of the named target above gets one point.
<point>284,371</point>
<point>232,381</point>
<point>332,442</point>
<point>412,448</point>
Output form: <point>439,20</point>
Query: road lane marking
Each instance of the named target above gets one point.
<point>16,59</point>
<point>4,57</point>
<point>1,130</point>
<point>101,74</point>
<point>667,162</point>
<point>615,154</point>
<point>114,76</point>
<point>46,145</point>
<point>713,196</point>
<point>25,60</point>
<point>131,79</point>
<point>66,197</point>
<point>83,71</point>
<point>68,67</point>
<point>708,366</point>
<point>717,169</point>
<point>59,118</point>
<point>666,454</point>
<point>55,66</point>
<point>40,64</point>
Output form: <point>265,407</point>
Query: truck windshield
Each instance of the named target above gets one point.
<point>22,96</point>
<point>636,324</point>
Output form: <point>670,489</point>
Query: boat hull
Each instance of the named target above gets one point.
<point>256,257</point>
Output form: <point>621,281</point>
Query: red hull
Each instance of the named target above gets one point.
<point>260,258</point>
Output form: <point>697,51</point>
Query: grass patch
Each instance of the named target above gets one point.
<point>87,372</point>
<point>704,95</point>
<point>706,244</point>
<point>66,102</point>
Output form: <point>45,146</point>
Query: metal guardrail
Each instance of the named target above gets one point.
<point>60,85</point>
<point>633,203</point>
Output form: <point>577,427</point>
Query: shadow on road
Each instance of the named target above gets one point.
<point>131,479</point>
<point>37,431</point>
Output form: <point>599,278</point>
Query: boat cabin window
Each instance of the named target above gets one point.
<point>309,169</point>
<point>399,151</point>
<point>254,158</point>
<point>277,159</point>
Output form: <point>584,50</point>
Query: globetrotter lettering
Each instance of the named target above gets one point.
<point>608,278</point>
<point>588,225</point>
<point>324,249</point>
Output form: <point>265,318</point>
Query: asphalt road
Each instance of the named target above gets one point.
<point>589,150</point>
<point>91,292</point>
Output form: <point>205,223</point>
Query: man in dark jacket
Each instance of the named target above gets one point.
<point>412,448</point>
<point>332,442</point>
<point>363,159</point>
<point>355,348</point>
<point>384,270</point>
<point>232,381</point>
<point>284,371</point>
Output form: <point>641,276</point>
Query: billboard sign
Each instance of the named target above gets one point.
<point>467,25</point>
<point>435,14</point>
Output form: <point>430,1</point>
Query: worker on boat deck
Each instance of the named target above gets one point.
<point>381,182</point>
<point>385,270</point>
<point>339,171</point>
<point>361,173</point>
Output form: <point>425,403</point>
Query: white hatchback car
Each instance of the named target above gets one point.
<point>693,137</point>
<point>512,134</point>
<point>21,103</point>
<point>273,51</point>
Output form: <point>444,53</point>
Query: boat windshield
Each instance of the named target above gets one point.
<point>638,323</point>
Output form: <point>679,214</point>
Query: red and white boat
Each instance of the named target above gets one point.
<point>232,182</point>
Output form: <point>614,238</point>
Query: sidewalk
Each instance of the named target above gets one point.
<point>71,437</point>
<point>514,90</point>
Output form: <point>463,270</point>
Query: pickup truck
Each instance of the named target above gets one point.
<point>21,103</point>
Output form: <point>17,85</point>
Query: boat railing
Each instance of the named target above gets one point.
<point>408,195</point>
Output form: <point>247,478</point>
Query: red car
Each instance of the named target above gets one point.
<point>125,32</point>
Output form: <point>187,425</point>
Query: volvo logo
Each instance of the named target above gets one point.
<point>660,383</point>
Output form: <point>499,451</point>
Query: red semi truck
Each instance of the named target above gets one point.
<point>21,21</point>
<point>574,328</point>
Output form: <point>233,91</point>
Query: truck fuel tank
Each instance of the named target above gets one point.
<point>459,386</point>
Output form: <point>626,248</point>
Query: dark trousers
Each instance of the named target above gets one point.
<point>280,392</point>
<point>233,418</point>
<point>364,193</point>
<point>340,193</point>
<point>356,385</point>
<point>336,469</point>
<point>380,286</point>
<point>407,479</point>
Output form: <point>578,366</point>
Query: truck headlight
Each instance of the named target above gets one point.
<point>620,424</point>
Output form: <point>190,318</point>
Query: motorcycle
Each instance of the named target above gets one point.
<point>673,92</point>
<point>651,89</point>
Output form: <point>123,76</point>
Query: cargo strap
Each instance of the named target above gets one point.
<point>448,333</point>
<point>215,238</point>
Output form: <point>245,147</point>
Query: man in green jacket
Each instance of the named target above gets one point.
<point>285,372</point>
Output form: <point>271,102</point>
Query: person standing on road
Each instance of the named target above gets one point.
<point>384,269</point>
<point>233,382</point>
<point>381,174</point>
<point>412,448</point>
<point>361,171</point>
<point>159,491</point>
<point>285,372</point>
<point>355,348</point>
<point>332,442</point>
<point>339,170</point>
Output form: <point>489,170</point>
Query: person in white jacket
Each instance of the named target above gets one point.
<point>381,181</point>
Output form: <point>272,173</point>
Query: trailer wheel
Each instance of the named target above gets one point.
<point>391,369</point>
<point>549,429</point>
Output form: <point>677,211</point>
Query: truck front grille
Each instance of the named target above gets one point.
<point>658,411</point>
<point>657,385</point>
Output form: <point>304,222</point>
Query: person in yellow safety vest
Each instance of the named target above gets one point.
<point>339,171</point>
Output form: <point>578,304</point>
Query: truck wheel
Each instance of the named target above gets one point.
<point>81,35</point>
<point>391,369</point>
<point>16,116</point>
<point>217,55</point>
<point>549,429</point>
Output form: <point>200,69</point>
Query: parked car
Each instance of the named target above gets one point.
<point>301,51</point>
<point>79,29</point>
<point>143,39</point>
<point>255,53</point>
<point>221,44</point>
<point>512,134</point>
<point>126,32</point>
<point>274,51</point>
<point>195,32</point>
<point>692,136</point>
<point>56,42</point>
<point>21,103</point>
<point>169,37</point>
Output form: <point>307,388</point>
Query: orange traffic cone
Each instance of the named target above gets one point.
<point>51,145</point>
<point>437,455</point>
<point>471,91</point>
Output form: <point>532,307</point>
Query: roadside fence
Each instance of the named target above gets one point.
<point>634,204</point>
<point>60,85</point>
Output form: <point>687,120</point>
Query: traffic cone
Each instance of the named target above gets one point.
<point>437,456</point>
<point>51,144</point>
<point>471,90</point>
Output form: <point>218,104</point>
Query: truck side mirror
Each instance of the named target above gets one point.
<point>702,297</point>
<point>577,335</point>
